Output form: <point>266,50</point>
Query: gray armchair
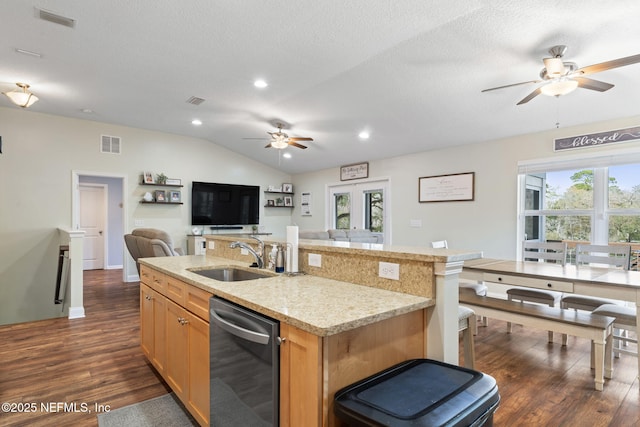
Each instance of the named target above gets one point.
<point>149,242</point>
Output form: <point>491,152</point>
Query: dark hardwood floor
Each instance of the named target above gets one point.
<point>97,360</point>
<point>94,361</point>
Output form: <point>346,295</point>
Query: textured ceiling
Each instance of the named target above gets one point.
<point>408,71</point>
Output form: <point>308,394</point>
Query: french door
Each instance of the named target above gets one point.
<point>361,205</point>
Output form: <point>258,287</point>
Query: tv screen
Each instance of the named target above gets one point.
<point>224,204</point>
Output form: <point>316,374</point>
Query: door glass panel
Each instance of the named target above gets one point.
<point>374,211</point>
<point>343,210</point>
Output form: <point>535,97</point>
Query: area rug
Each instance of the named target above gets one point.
<point>163,411</point>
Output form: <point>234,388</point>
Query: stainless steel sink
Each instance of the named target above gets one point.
<point>231,274</point>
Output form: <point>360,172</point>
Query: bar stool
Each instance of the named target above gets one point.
<point>466,321</point>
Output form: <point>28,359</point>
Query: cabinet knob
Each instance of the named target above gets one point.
<point>281,340</point>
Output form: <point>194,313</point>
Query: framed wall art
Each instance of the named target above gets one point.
<point>446,188</point>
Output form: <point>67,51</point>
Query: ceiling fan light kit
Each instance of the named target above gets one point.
<point>22,97</point>
<point>559,87</point>
<point>561,77</point>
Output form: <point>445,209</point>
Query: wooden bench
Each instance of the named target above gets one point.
<point>595,328</point>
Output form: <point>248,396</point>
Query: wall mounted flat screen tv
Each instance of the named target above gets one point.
<point>224,204</point>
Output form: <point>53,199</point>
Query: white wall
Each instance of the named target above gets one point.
<point>39,154</point>
<point>489,222</point>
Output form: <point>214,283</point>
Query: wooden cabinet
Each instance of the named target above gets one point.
<point>174,336</point>
<point>153,327</point>
<point>313,369</point>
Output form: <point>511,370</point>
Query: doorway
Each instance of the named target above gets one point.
<point>361,206</point>
<point>114,213</point>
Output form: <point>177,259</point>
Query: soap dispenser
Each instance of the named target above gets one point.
<point>272,257</point>
<point>280,260</point>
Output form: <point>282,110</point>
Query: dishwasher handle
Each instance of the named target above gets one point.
<point>238,331</point>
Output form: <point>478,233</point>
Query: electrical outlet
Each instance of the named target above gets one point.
<point>315,260</point>
<point>212,244</point>
<point>389,270</point>
<point>243,251</point>
<point>138,222</point>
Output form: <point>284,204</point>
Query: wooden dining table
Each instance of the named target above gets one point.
<point>584,280</point>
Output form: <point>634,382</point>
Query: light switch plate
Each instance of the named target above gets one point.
<point>417,223</point>
<point>138,222</point>
<point>389,270</point>
<point>315,260</point>
<point>212,244</point>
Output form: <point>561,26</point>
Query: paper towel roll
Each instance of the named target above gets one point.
<point>292,242</point>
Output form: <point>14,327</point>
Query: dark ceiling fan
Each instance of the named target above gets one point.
<point>281,140</point>
<point>562,77</point>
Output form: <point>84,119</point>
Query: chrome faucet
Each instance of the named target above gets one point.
<point>256,254</point>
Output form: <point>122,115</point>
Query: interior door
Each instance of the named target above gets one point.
<point>92,222</point>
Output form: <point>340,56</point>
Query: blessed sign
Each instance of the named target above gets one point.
<point>597,139</point>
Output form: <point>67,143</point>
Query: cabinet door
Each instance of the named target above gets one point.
<point>198,376</point>
<point>146,320</point>
<point>159,356</point>
<point>176,367</point>
<point>301,395</point>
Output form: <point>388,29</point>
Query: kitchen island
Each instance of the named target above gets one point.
<point>335,332</point>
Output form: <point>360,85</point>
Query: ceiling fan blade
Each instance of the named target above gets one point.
<point>256,138</point>
<point>586,83</point>
<point>268,145</point>
<point>511,85</point>
<point>295,144</point>
<point>603,66</point>
<point>300,139</point>
<point>530,97</point>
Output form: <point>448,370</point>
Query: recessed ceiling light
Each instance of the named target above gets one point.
<point>363,135</point>
<point>196,122</point>
<point>87,110</point>
<point>260,84</point>
<point>286,155</point>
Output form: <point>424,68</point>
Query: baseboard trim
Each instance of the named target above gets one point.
<point>76,312</point>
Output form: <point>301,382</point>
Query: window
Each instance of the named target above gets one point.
<point>582,204</point>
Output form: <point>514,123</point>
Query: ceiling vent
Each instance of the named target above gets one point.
<point>195,100</point>
<point>110,144</point>
<point>46,15</point>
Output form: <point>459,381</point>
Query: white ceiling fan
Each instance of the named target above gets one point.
<point>562,77</point>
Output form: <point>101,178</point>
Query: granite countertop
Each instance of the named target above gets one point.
<point>317,305</point>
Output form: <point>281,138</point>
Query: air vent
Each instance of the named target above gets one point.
<point>110,144</point>
<point>195,100</point>
<point>46,15</point>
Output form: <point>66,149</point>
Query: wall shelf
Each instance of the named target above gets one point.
<point>278,195</point>
<point>161,185</point>
<point>144,202</point>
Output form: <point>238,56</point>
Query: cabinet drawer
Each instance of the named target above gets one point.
<point>197,302</point>
<point>176,290</point>
<point>153,278</point>
<point>529,282</point>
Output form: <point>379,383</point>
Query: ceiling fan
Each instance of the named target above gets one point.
<point>562,77</point>
<point>281,140</point>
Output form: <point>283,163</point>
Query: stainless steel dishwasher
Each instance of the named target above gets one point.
<point>245,366</point>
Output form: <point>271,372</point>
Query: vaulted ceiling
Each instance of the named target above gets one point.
<point>409,72</point>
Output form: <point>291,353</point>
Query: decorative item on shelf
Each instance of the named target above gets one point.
<point>288,201</point>
<point>270,202</point>
<point>147,197</point>
<point>147,178</point>
<point>287,188</point>
<point>174,196</point>
<point>161,197</point>
<point>196,231</point>
<point>254,229</point>
<point>173,181</point>
<point>279,201</point>
<point>161,179</point>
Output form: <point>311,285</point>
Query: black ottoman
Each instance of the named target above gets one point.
<point>419,393</point>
